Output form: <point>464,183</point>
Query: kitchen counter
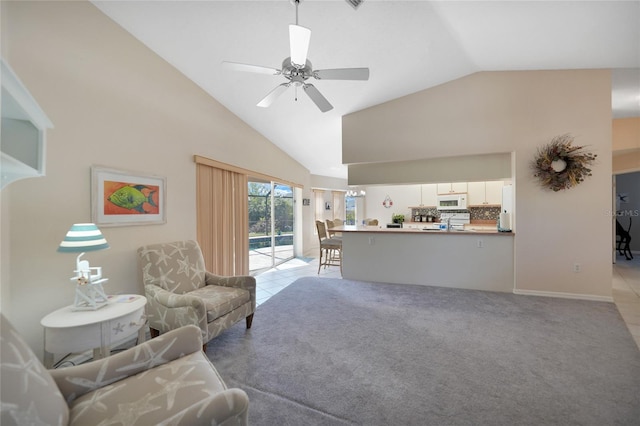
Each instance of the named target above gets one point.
<point>480,258</point>
<point>418,228</point>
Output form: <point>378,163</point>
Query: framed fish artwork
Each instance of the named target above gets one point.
<point>123,198</point>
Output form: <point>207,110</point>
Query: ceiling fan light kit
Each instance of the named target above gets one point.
<point>299,38</point>
<point>297,69</point>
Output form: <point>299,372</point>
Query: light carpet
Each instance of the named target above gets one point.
<point>337,352</point>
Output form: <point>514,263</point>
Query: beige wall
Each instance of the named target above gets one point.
<point>493,112</point>
<point>327,182</point>
<point>433,170</point>
<point>626,134</point>
<point>626,162</point>
<point>113,103</point>
<point>626,145</point>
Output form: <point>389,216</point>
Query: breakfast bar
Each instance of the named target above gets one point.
<point>478,257</point>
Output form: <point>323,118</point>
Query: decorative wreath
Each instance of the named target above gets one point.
<point>387,203</point>
<point>560,165</point>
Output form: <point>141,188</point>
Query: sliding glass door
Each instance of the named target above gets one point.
<point>271,224</point>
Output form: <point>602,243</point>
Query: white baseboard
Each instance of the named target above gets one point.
<point>563,295</point>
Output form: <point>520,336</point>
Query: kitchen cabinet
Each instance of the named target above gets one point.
<point>406,256</point>
<point>485,193</point>
<point>494,192</point>
<point>476,194</point>
<point>23,131</point>
<point>448,188</point>
<point>429,194</point>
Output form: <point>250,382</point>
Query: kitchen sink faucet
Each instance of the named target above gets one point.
<point>449,221</point>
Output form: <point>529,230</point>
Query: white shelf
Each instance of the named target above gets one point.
<point>23,131</point>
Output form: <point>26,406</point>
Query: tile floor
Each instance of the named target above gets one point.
<point>626,285</point>
<point>626,292</point>
<point>272,281</point>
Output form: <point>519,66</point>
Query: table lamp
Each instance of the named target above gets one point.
<point>83,237</point>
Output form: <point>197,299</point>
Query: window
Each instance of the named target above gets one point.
<point>350,210</point>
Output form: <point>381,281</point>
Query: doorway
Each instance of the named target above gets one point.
<point>626,207</point>
<point>271,224</point>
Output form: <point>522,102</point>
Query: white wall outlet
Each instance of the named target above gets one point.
<point>480,243</point>
<point>372,241</point>
<point>577,267</point>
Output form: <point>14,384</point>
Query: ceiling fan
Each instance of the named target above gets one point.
<point>297,69</point>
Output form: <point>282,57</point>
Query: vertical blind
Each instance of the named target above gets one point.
<point>338,204</point>
<point>319,203</point>
<point>222,215</point>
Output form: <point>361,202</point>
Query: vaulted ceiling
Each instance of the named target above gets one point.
<point>408,45</point>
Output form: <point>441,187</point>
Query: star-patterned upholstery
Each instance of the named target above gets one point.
<point>167,380</point>
<point>180,291</point>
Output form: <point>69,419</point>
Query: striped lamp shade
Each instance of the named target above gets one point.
<point>83,237</point>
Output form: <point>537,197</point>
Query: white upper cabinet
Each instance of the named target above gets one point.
<point>485,193</point>
<point>494,192</point>
<point>23,131</point>
<point>476,195</point>
<point>448,188</point>
<point>429,194</point>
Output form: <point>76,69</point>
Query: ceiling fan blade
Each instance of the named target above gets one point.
<point>273,95</point>
<point>299,38</point>
<point>317,98</point>
<point>342,74</point>
<point>251,68</point>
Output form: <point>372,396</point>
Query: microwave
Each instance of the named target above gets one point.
<point>452,202</point>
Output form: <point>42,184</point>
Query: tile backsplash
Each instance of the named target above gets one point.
<point>477,213</point>
<point>485,213</point>
<point>424,211</point>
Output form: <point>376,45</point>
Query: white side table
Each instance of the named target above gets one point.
<point>69,331</point>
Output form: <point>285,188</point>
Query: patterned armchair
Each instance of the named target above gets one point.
<point>180,291</point>
<point>167,380</point>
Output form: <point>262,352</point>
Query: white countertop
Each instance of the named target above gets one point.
<point>469,229</point>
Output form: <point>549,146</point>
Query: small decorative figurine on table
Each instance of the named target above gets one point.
<point>89,292</point>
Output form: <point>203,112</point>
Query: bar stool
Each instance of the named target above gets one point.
<point>330,248</point>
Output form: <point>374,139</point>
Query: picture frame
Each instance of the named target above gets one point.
<point>126,198</point>
<point>306,201</point>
